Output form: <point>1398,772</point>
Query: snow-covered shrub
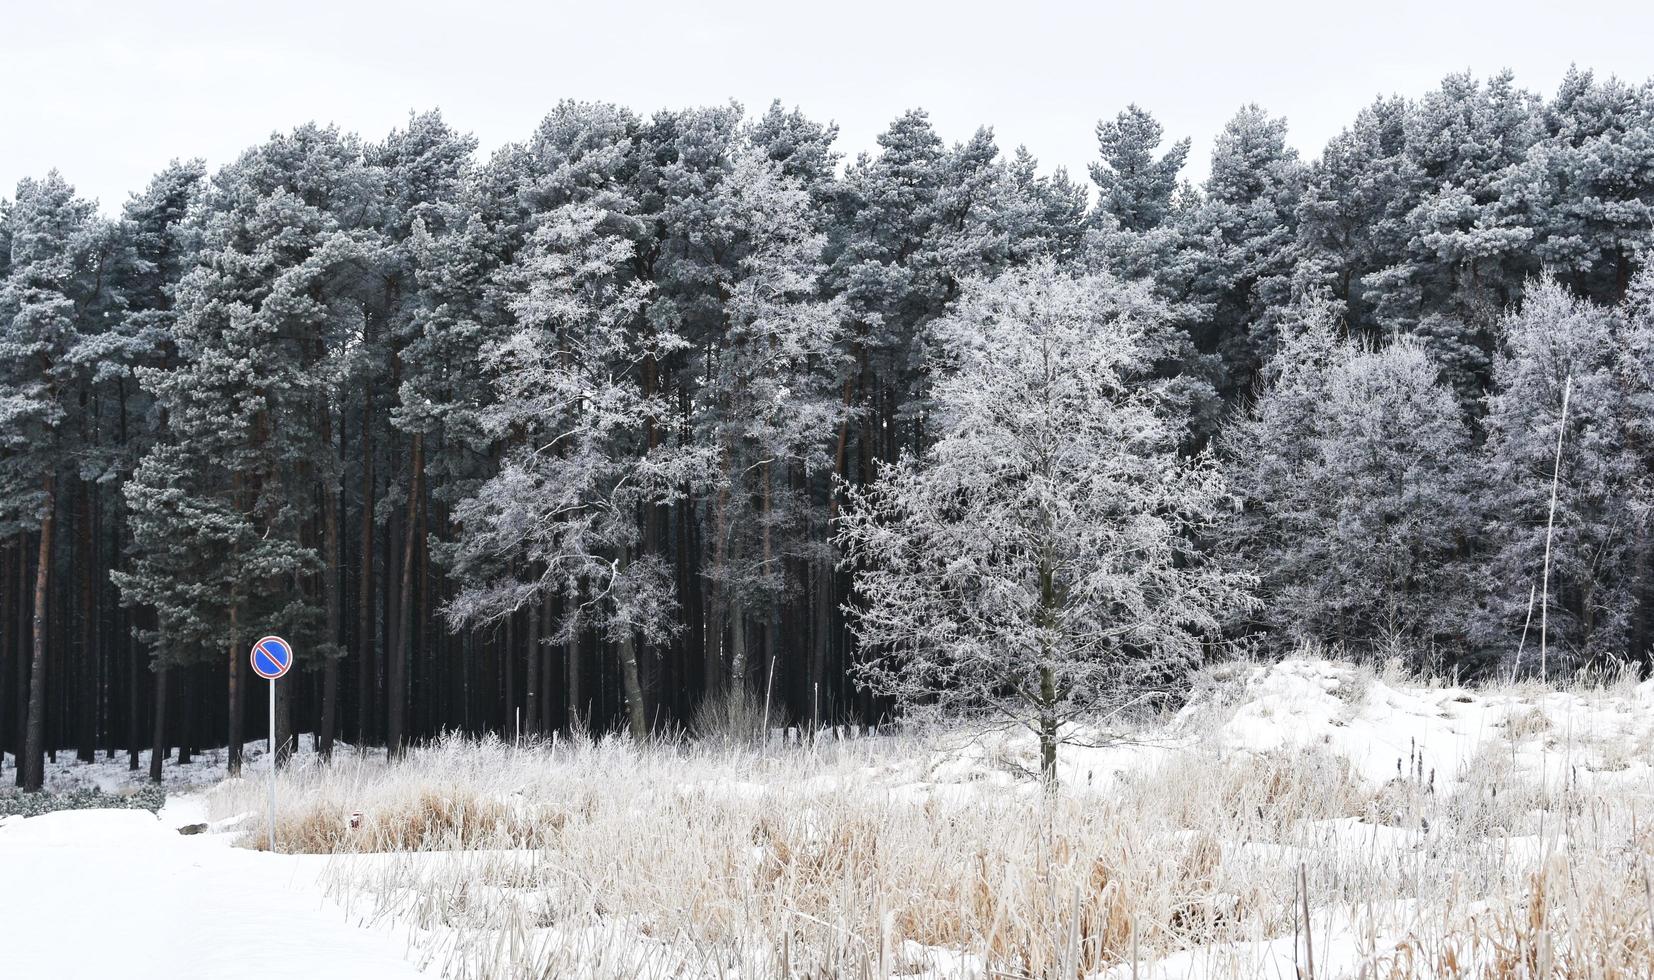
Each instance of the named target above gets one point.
<point>150,798</point>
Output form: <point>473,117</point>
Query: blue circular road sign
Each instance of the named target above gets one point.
<point>272,657</point>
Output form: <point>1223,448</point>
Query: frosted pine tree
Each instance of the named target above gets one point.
<point>1586,191</point>
<point>1242,229</point>
<point>230,493</point>
<point>1038,561</point>
<point>1351,219</point>
<point>1135,180</point>
<point>50,304</point>
<point>1463,259</point>
<point>769,407</point>
<point>560,518</point>
<point>426,317</point>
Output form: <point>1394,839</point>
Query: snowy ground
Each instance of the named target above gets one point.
<point>96,894</point>
<point>1439,830</point>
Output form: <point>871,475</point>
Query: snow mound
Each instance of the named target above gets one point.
<point>80,828</point>
<point>1430,732</point>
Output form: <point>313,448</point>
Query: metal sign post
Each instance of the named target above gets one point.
<point>272,657</point>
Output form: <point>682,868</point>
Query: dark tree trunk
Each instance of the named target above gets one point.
<point>548,622</point>
<point>508,667</point>
<point>422,642</point>
<point>134,700</point>
<point>184,730</point>
<point>1048,728</point>
<point>284,719</point>
<point>821,639</point>
<point>390,553</point>
<point>636,716</point>
<point>86,749</point>
<point>158,726</point>
<point>12,554</point>
<point>330,663</point>
<point>237,700</point>
<point>20,692</point>
<point>365,619</point>
<point>531,685</point>
<point>396,677</point>
<point>577,710</point>
<point>34,750</point>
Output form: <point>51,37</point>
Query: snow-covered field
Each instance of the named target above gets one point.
<point>1429,830</point>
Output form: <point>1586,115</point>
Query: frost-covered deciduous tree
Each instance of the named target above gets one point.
<point>1355,469</point>
<point>1598,542</point>
<point>1039,559</point>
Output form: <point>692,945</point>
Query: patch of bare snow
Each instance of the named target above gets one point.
<point>92,894</point>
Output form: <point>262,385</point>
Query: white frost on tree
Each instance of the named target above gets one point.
<point>1356,470</point>
<point>560,518</point>
<point>1039,560</point>
<point>1598,537</point>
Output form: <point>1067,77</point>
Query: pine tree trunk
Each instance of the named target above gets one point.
<point>396,677</point>
<point>778,609</point>
<point>330,664</point>
<point>86,749</point>
<point>531,685</point>
<point>630,677</point>
<point>548,663</point>
<point>20,692</point>
<point>685,644</point>
<point>635,716</point>
<point>284,721</point>
<point>34,750</point>
<point>420,641</point>
<point>185,729</point>
<point>738,643</point>
<point>13,552</point>
<point>134,700</point>
<point>390,553</point>
<point>508,667</point>
<point>822,638</point>
<point>236,702</point>
<point>158,726</point>
<point>720,607</point>
<point>365,619</point>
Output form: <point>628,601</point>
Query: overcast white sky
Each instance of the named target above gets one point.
<point>108,91</point>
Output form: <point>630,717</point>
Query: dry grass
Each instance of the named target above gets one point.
<point>601,860</point>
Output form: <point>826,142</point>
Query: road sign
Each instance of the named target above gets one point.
<point>272,657</point>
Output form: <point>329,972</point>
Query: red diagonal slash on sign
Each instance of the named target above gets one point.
<point>270,654</point>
